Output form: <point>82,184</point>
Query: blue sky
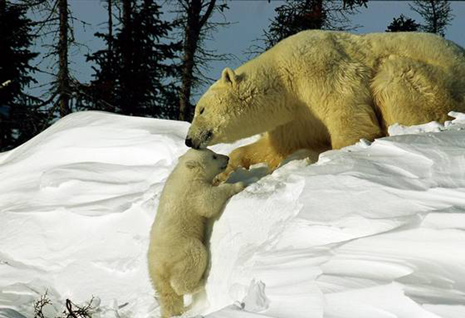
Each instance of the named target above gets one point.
<point>248,20</point>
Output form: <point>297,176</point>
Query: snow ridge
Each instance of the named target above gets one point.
<point>372,230</point>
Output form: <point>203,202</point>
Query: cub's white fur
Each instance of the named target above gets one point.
<point>177,255</point>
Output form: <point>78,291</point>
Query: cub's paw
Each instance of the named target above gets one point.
<point>239,186</point>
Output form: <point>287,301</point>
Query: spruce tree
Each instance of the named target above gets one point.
<point>437,15</point>
<point>20,117</point>
<point>299,15</point>
<point>101,93</point>
<point>135,74</point>
<point>403,24</point>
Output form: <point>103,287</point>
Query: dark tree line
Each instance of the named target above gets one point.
<point>148,66</point>
<point>20,114</point>
<point>134,74</point>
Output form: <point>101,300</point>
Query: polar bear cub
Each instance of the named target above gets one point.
<point>177,255</point>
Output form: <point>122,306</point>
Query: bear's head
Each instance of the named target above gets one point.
<point>234,107</point>
<point>203,163</point>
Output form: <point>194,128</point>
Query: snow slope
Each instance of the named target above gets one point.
<point>373,230</point>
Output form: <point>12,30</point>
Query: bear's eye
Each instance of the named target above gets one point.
<point>214,157</point>
<point>201,111</point>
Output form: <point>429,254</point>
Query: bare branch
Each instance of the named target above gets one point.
<point>207,14</point>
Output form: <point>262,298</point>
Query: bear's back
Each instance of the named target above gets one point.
<point>426,47</point>
<point>371,47</point>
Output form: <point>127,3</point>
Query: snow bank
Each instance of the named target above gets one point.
<point>373,230</point>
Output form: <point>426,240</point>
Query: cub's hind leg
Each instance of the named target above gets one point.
<point>171,303</point>
<point>186,275</point>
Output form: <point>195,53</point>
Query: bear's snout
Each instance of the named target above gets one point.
<point>199,143</point>
<point>189,142</point>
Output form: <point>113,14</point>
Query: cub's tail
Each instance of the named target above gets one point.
<point>171,303</point>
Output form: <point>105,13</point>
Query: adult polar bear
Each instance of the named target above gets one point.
<point>319,90</point>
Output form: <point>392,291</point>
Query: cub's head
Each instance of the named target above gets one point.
<point>223,113</point>
<point>204,163</point>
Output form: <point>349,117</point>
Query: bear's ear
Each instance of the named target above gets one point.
<point>192,164</point>
<point>228,76</point>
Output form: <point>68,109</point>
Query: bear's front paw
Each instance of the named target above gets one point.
<point>221,178</point>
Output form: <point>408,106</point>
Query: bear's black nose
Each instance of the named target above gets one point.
<point>189,142</point>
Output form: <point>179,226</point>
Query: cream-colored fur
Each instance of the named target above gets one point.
<point>177,256</point>
<point>321,90</point>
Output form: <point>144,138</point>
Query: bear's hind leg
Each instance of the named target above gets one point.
<point>342,101</point>
<point>186,275</point>
<point>411,92</point>
<point>348,128</point>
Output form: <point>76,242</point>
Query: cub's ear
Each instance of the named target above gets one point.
<point>192,164</point>
<point>228,76</point>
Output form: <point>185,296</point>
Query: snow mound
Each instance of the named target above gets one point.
<point>372,230</point>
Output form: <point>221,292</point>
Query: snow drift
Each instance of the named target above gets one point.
<point>374,230</point>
